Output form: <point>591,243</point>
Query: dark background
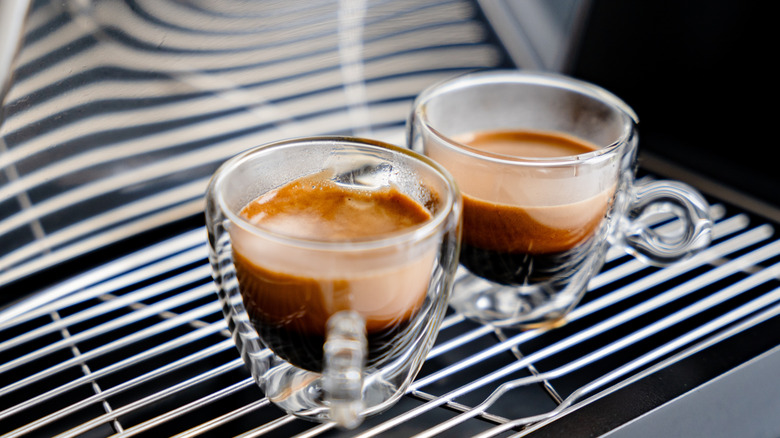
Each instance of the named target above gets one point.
<point>700,75</point>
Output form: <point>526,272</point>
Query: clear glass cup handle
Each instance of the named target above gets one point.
<point>666,200</point>
<point>345,351</point>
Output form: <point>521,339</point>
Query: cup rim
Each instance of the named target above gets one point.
<point>411,234</point>
<point>546,79</point>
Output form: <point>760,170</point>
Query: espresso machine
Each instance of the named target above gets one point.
<point>115,113</point>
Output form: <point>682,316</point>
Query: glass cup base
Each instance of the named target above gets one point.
<point>537,306</point>
<point>300,392</point>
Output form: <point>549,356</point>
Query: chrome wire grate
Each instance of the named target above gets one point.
<point>138,347</point>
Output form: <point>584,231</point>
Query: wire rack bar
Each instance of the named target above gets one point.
<point>181,307</point>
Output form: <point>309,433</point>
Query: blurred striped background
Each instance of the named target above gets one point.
<point>120,110</point>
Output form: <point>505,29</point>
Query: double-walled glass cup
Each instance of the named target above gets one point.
<point>333,329</point>
<point>536,228</point>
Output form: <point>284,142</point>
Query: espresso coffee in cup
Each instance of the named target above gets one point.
<point>546,166</point>
<point>290,304</point>
<point>513,237</point>
<point>333,259</point>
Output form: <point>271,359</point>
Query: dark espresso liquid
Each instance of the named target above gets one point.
<point>516,244</point>
<point>290,310</point>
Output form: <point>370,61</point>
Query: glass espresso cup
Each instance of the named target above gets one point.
<point>347,317</point>
<point>546,166</point>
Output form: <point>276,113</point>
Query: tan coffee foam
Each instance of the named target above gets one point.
<point>530,230</point>
<point>527,209</point>
<point>304,285</point>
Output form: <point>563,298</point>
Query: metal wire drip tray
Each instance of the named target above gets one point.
<point>138,347</point>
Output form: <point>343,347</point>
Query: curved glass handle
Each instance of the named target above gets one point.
<point>345,353</point>
<point>655,244</point>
